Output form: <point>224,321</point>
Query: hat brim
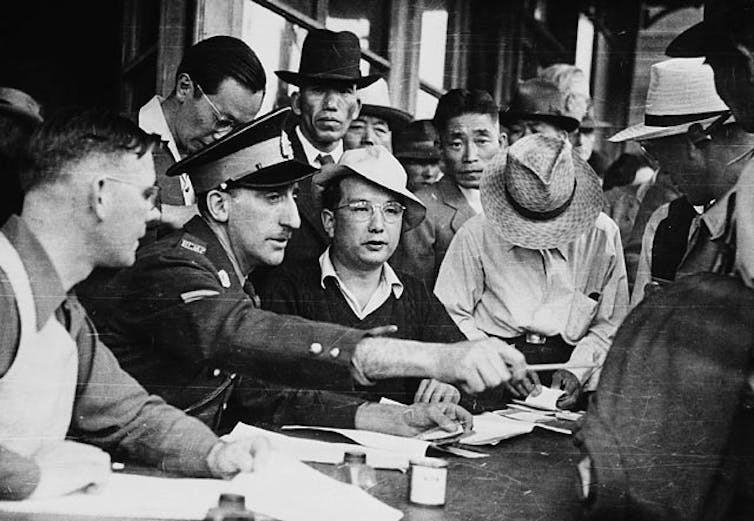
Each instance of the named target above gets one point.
<point>415,209</point>
<point>576,220</point>
<point>395,118</point>
<point>691,43</point>
<point>429,154</point>
<point>24,114</point>
<point>281,174</point>
<point>566,123</point>
<point>294,78</point>
<point>643,132</point>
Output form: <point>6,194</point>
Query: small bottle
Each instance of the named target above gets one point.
<point>230,507</point>
<point>355,471</point>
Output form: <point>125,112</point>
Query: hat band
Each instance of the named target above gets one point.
<point>540,216</point>
<point>671,121</point>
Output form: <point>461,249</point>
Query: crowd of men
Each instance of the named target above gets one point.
<point>163,280</point>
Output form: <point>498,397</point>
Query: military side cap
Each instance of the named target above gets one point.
<point>255,155</point>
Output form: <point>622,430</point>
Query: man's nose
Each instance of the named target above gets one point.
<point>289,214</point>
<point>370,136</point>
<point>153,215</point>
<point>377,220</point>
<point>330,101</point>
<point>472,152</point>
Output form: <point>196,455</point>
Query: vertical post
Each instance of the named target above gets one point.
<point>403,52</point>
<point>172,41</point>
<point>214,17</point>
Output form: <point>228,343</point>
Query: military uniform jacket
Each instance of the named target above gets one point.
<point>422,249</point>
<point>181,322</point>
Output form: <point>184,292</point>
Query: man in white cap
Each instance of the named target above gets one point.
<point>542,268</point>
<point>692,135</point>
<point>365,204</point>
<point>187,323</point>
<point>377,119</point>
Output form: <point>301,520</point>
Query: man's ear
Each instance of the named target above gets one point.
<point>184,88</point>
<point>358,109</point>
<point>218,205</point>
<point>328,222</point>
<point>99,198</point>
<point>296,103</point>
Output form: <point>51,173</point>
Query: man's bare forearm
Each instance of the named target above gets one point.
<point>382,357</point>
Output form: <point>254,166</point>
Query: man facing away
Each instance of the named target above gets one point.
<point>89,193</point>
<point>186,322</point>
<point>365,204</point>
<point>542,268</point>
<point>467,122</point>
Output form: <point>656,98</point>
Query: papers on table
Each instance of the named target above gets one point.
<point>412,447</point>
<point>284,489</point>
<point>490,429</point>
<point>320,451</point>
<point>546,400</point>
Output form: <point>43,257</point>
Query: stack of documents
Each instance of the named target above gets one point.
<point>284,489</point>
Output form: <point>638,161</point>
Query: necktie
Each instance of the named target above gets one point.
<point>325,159</point>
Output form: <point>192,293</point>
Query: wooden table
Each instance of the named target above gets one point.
<point>529,478</point>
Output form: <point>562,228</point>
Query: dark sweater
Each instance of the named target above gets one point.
<point>296,290</point>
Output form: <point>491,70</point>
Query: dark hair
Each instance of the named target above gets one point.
<point>215,59</point>
<point>15,131</point>
<point>623,170</point>
<point>72,135</point>
<point>331,194</point>
<point>462,101</point>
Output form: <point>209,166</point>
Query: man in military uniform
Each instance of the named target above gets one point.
<point>185,320</point>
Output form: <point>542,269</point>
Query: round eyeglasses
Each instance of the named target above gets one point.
<point>362,211</point>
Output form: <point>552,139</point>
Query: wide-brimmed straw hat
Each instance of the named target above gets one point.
<point>329,56</point>
<point>541,194</point>
<point>376,165</point>
<point>540,100</point>
<point>375,101</point>
<point>681,93</point>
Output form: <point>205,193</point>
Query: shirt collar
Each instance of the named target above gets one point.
<point>312,152</point>
<point>46,286</point>
<point>716,216</point>
<point>152,120</point>
<point>388,275</point>
<point>473,197</point>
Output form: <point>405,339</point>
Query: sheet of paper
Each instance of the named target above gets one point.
<point>546,400</point>
<point>269,492</point>
<point>412,447</point>
<point>321,451</point>
<point>490,429</point>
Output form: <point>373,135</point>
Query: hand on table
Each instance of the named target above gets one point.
<point>226,459</point>
<point>529,385</point>
<point>568,382</point>
<point>433,391</point>
<point>480,364</point>
<point>411,420</point>
<point>66,466</point>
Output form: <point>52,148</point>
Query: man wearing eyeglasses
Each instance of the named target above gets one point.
<point>219,85</point>
<point>364,206</point>
<point>692,135</point>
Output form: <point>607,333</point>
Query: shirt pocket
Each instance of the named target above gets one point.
<point>582,313</point>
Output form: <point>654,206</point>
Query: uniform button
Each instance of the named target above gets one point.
<point>225,406</point>
<point>335,352</point>
<point>216,372</point>
<point>315,348</point>
<point>233,376</point>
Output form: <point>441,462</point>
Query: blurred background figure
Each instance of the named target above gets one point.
<point>20,114</point>
<point>416,147</point>
<point>537,107</point>
<point>586,139</point>
<point>626,183</point>
<point>573,85</point>
<point>377,119</point>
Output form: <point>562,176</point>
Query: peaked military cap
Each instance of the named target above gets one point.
<point>255,155</point>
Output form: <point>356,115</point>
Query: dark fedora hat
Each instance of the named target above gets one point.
<point>331,56</point>
<point>724,22</point>
<point>541,100</point>
<point>417,141</point>
<point>255,155</point>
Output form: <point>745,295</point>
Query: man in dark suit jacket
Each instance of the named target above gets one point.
<point>467,122</point>
<point>324,107</point>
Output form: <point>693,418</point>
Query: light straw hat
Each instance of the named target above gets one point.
<point>541,194</point>
<point>681,93</point>
<point>375,101</point>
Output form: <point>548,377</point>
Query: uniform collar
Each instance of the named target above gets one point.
<point>312,152</point>
<point>221,258</point>
<point>152,120</point>
<point>716,216</point>
<point>388,275</point>
<point>46,286</point>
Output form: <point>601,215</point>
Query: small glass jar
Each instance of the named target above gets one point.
<point>230,507</point>
<point>355,471</point>
<point>428,481</point>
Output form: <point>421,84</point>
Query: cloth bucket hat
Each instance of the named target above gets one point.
<point>329,56</point>
<point>376,165</point>
<point>256,155</point>
<point>681,92</point>
<point>375,101</point>
<point>417,141</point>
<point>540,194</point>
<point>541,100</point>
